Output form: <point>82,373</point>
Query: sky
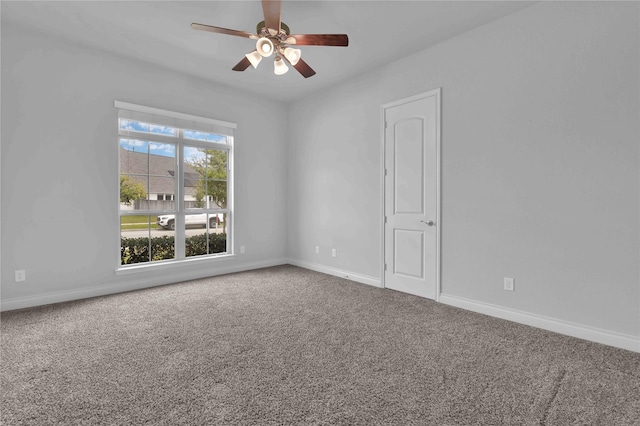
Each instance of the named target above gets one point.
<point>165,149</point>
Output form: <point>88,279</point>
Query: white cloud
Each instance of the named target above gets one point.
<point>167,150</point>
<point>130,144</point>
<point>192,153</point>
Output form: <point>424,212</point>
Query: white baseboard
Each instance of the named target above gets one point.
<point>618,340</point>
<point>131,285</point>
<point>364,279</point>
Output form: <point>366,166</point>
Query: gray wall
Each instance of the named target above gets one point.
<point>540,164</point>
<point>59,167</point>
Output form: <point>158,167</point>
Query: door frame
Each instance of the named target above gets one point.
<point>437,93</point>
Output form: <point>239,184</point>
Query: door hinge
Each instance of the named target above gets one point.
<point>385,219</point>
<point>386,123</point>
<point>385,266</point>
<point>386,172</point>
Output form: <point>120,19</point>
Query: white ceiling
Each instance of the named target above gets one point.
<point>159,33</point>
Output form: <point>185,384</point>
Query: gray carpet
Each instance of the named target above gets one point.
<point>286,345</point>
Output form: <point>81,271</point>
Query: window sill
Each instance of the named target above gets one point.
<point>158,266</point>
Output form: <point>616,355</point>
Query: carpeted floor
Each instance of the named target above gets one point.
<point>286,345</point>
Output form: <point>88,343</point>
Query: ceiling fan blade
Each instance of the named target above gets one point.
<point>271,9</point>
<point>221,30</point>
<point>319,39</point>
<point>242,65</point>
<point>304,69</point>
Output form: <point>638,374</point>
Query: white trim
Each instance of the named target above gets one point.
<point>437,93</point>
<point>438,192</point>
<point>611,338</point>
<point>364,279</point>
<point>231,196</point>
<point>137,284</point>
<point>171,263</point>
<point>180,234</point>
<point>383,188</point>
<point>416,97</point>
<point>172,114</point>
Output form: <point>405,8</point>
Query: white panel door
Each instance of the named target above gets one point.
<point>411,195</point>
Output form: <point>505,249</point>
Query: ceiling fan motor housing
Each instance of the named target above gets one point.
<point>270,41</point>
<point>282,34</point>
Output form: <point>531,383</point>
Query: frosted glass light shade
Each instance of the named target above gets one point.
<point>264,46</point>
<point>279,67</point>
<point>254,57</point>
<point>292,55</point>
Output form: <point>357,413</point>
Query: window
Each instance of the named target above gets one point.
<point>175,186</point>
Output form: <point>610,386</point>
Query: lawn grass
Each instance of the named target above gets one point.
<point>138,222</point>
<point>136,219</point>
<point>134,226</point>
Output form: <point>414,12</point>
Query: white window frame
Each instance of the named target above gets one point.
<point>182,122</point>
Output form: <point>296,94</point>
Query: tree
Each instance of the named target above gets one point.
<point>130,190</point>
<point>212,168</point>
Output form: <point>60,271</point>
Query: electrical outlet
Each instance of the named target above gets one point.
<point>334,253</point>
<point>509,284</point>
<point>21,275</point>
<point>317,249</point>
<point>241,249</point>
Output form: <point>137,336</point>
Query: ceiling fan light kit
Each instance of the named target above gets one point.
<point>264,46</point>
<point>279,67</point>
<point>274,35</point>
<point>292,55</point>
<point>254,57</point>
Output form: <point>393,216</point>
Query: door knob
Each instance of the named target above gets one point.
<point>428,222</point>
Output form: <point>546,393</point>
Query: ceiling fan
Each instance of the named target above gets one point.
<point>274,37</point>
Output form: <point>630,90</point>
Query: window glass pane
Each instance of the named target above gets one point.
<point>134,174</point>
<point>166,222</point>
<point>205,178</point>
<point>142,240</point>
<point>203,136</point>
<point>163,150</point>
<point>147,173</point>
<point>132,146</point>
<point>138,126</point>
<point>218,187</point>
<point>162,130</point>
<point>205,234</point>
<point>163,247</point>
<point>160,185</point>
<point>134,192</point>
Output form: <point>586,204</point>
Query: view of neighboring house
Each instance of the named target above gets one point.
<point>157,174</point>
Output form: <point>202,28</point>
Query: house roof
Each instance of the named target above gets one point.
<point>159,169</point>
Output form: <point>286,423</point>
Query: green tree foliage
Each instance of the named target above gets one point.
<point>212,168</point>
<point>130,190</point>
<point>144,249</point>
